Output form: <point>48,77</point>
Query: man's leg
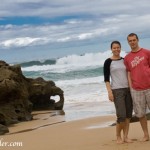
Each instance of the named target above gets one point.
<point>143,122</point>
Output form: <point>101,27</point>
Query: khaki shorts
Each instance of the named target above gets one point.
<point>141,100</point>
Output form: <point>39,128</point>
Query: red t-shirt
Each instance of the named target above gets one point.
<point>138,64</point>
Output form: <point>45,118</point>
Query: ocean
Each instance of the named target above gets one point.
<point>81,79</point>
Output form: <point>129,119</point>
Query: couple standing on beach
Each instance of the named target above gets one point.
<point>130,77</point>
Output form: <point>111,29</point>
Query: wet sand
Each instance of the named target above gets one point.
<point>50,131</point>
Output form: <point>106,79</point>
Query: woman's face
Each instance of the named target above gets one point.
<point>116,49</point>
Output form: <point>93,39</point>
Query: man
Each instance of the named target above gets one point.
<point>138,66</point>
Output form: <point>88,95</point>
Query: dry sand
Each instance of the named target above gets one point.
<point>53,133</point>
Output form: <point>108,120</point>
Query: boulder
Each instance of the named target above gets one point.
<point>19,95</point>
<point>3,129</point>
<point>135,119</point>
<point>40,92</point>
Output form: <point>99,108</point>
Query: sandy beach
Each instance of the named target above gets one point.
<point>49,131</point>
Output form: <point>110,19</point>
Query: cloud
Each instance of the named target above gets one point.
<point>20,42</point>
<point>54,8</point>
<point>64,21</point>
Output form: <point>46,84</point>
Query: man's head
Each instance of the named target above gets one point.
<point>133,34</point>
<point>133,41</point>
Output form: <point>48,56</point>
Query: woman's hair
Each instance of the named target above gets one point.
<point>115,42</point>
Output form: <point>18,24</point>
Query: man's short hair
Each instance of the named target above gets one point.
<point>133,34</point>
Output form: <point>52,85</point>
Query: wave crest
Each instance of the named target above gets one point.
<point>69,63</point>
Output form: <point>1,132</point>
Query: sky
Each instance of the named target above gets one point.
<point>44,29</point>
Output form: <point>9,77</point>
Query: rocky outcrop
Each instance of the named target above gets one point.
<point>135,119</point>
<point>20,95</point>
<point>3,129</point>
<point>40,92</point>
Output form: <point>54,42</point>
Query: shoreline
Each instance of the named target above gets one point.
<point>48,118</point>
<point>81,110</point>
<point>94,133</point>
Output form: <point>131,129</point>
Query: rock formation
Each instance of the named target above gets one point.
<point>135,119</point>
<point>40,92</point>
<point>20,95</point>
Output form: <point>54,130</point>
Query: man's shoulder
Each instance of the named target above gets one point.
<point>146,50</point>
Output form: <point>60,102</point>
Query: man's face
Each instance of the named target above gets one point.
<point>133,42</point>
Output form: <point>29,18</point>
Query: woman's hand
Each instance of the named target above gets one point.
<point>110,96</point>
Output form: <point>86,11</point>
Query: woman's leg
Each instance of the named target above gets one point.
<point>119,128</point>
<point>126,131</point>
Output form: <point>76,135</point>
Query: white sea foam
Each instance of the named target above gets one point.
<point>83,81</point>
<point>84,84</point>
<point>73,63</point>
<point>85,90</point>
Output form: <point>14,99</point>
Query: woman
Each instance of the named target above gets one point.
<point>118,91</point>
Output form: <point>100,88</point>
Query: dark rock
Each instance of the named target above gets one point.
<point>40,95</point>
<point>3,129</point>
<point>135,119</point>
<point>19,95</point>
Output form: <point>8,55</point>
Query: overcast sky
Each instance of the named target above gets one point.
<point>30,24</point>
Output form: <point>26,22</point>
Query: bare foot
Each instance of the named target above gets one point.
<point>119,141</point>
<point>128,140</point>
<point>144,139</point>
